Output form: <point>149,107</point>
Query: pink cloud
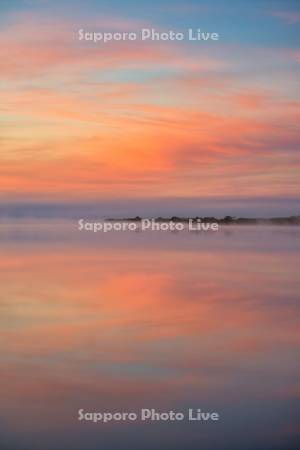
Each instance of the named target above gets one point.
<point>36,45</point>
<point>288,17</point>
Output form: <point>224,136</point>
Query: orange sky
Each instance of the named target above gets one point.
<point>132,119</point>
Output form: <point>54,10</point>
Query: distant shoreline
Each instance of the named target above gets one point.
<point>227,220</point>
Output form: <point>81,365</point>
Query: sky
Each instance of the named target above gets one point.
<point>196,125</point>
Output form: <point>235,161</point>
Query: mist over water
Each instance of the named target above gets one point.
<point>124,321</point>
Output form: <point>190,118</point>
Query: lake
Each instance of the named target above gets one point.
<point>167,321</point>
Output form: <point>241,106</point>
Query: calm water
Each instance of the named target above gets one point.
<point>125,321</point>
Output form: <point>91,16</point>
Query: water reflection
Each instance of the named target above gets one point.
<point>129,321</point>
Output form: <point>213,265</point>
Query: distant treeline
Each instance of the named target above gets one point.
<point>227,220</point>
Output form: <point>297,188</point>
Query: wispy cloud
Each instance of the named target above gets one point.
<point>143,119</point>
<point>289,17</point>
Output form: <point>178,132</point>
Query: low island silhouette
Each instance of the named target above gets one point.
<point>227,220</point>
